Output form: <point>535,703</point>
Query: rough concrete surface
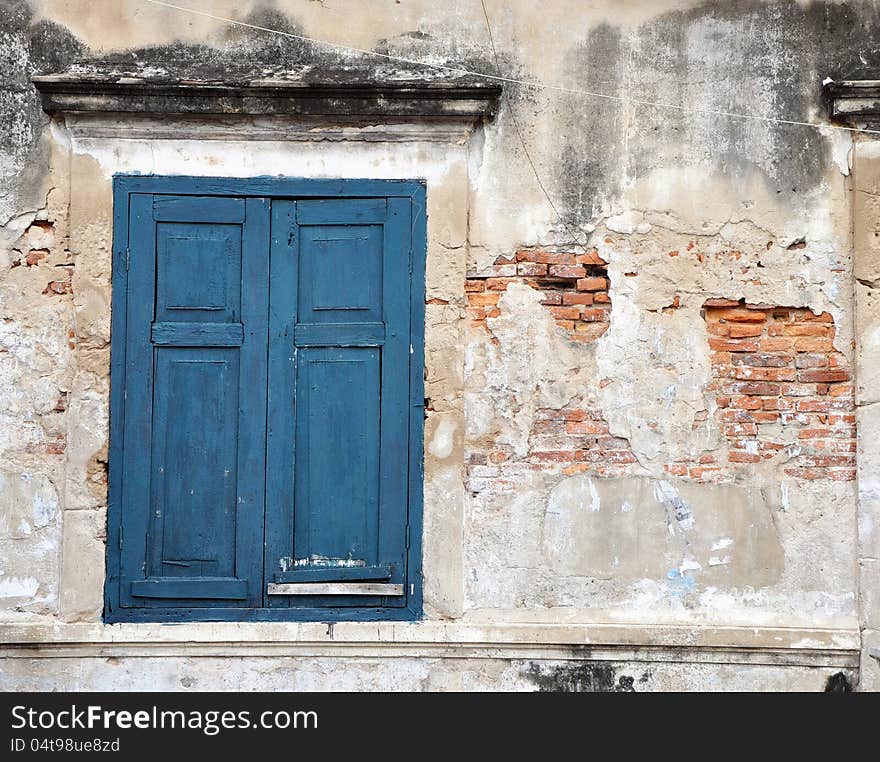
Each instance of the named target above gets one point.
<point>571,472</point>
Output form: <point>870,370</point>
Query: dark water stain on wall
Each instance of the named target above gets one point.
<point>580,677</point>
<point>26,49</point>
<point>746,56</point>
<point>243,54</point>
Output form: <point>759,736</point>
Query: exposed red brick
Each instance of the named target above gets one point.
<point>592,284</point>
<point>567,271</point>
<point>483,300</point>
<point>531,268</point>
<point>590,258</point>
<point>577,298</point>
<point>722,345</point>
<point>557,275</point>
<point>58,287</point>
<point>823,376</point>
<point>786,371</point>
<point>742,330</point>
<point>740,315</point>
<point>34,256</point>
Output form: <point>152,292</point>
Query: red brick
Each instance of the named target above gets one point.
<point>741,330</point>
<point>747,403</point>
<point>760,388</point>
<point>575,415</point>
<point>593,315</point>
<point>58,287</point>
<point>590,258</point>
<point>776,345</point>
<point>577,298</point>
<point>555,456</point>
<point>592,284</point>
<point>825,317</point>
<point>739,315</point>
<point>732,415</point>
<point>531,268</point>
<point>735,345</point>
<point>483,300</point>
<point>577,468</point>
<point>676,469</point>
<point>741,430</point>
<point>761,360</point>
<point>798,390</point>
<point>841,390</point>
<point>806,473</point>
<point>704,473</point>
<point>552,297</point>
<point>811,361</point>
<point>823,406</point>
<point>565,313</point>
<point>765,417</point>
<point>474,285</point>
<point>545,258</point>
<point>567,271</point>
<point>823,376</point>
<point>749,373</point>
<point>808,329</point>
<point>778,403</point>
<point>601,297</point>
<point>498,284</point>
<point>825,461</point>
<point>844,445</point>
<point>842,474</point>
<point>814,344</point>
<point>741,456</point>
<point>814,433</point>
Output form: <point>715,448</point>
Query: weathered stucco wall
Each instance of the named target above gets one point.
<point>640,410</point>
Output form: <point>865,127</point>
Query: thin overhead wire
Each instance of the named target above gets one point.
<point>575,238</point>
<point>515,81</point>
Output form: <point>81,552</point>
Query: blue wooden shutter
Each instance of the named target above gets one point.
<point>194,402</point>
<point>339,375</point>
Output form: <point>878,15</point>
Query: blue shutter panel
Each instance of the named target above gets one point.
<point>266,416</point>
<point>195,395</point>
<point>339,362</point>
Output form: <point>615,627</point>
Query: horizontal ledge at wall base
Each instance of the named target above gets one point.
<point>784,646</point>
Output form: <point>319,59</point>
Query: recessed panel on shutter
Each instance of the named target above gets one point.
<point>195,391</point>
<point>338,403</point>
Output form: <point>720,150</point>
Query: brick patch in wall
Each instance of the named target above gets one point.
<point>780,387</point>
<point>775,371</point>
<point>572,439</point>
<point>575,288</point>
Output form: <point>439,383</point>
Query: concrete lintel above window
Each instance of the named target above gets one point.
<point>342,98</point>
<point>855,102</point>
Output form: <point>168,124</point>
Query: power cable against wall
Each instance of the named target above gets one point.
<point>523,82</point>
<point>515,122</point>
